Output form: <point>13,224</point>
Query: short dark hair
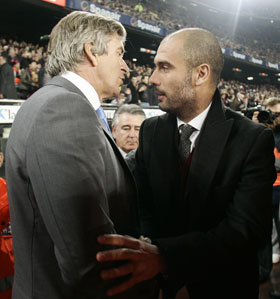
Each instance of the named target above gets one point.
<point>127,108</point>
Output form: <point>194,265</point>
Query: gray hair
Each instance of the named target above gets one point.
<point>67,39</point>
<point>127,108</point>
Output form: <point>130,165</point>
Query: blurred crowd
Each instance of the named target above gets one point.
<point>27,62</point>
<point>249,32</point>
<point>28,65</point>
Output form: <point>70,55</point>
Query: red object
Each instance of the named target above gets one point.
<point>4,205</point>
<point>6,245</point>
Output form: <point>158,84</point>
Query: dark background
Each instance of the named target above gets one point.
<point>28,20</point>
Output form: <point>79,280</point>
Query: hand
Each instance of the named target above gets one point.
<point>255,117</point>
<point>144,261</point>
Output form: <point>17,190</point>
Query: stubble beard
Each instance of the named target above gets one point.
<point>183,101</point>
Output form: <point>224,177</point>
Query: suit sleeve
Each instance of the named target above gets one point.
<point>65,162</point>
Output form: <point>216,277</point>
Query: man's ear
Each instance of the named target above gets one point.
<point>202,74</point>
<point>92,57</point>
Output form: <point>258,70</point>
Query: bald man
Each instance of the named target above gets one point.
<point>204,175</point>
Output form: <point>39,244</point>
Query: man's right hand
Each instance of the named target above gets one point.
<point>144,261</point>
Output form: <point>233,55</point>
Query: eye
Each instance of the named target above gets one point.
<point>164,67</point>
<point>120,53</point>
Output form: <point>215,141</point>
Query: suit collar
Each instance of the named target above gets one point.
<point>62,82</point>
<point>86,88</point>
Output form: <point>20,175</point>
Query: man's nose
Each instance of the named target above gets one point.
<point>153,79</point>
<point>124,68</point>
<point>132,133</point>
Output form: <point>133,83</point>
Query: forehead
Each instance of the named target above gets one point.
<point>115,43</point>
<point>130,119</point>
<point>170,49</point>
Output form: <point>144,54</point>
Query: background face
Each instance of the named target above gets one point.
<point>126,133</point>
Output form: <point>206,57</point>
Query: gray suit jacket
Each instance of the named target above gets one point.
<point>67,184</point>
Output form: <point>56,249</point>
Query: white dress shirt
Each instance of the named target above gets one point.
<point>196,123</point>
<point>85,87</point>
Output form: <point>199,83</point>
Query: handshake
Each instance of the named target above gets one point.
<point>144,261</point>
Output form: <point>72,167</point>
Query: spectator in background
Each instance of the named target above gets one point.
<point>147,95</point>
<point>12,56</point>
<point>266,256</point>
<point>126,125</point>
<point>7,79</point>
<point>138,8</point>
<point>121,99</point>
<point>16,69</point>
<point>28,80</point>
<point>132,89</point>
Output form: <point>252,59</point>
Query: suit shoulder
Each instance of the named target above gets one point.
<point>244,123</point>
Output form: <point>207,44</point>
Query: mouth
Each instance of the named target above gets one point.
<point>160,95</point>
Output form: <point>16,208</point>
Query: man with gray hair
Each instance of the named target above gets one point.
<point>67,181</point>
<point>126,125</point>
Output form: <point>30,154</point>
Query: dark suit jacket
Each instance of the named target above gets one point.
<point>7,82</point>
<point>209,236</point>
<point>67,184</point>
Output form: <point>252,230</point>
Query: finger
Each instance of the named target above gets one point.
<point>117,255</point>
<point>117,272</point>
<point>122,287</point>
<point>118,240</point>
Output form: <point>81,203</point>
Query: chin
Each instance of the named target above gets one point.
<point>163,107</point>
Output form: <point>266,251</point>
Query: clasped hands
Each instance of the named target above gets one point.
<point>144,261</point>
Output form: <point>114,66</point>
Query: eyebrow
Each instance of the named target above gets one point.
<point>163,62</point>
<point>121,48</point>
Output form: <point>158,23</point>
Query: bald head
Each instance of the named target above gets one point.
<point>201,46</point>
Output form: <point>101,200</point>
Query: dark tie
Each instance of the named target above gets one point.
<point>185,143</point>
<point>100,112</point>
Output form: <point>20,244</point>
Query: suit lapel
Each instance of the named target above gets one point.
<point>207,154</point>
<point>165,149</point>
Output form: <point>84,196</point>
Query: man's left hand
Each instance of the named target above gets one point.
<point>144,261</point>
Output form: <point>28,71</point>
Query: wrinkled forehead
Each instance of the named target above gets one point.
<point>115,43</point>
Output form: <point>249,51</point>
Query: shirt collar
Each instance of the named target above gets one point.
<point>198,121</point>
<point>122,152</point>
<point>85,87</point>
